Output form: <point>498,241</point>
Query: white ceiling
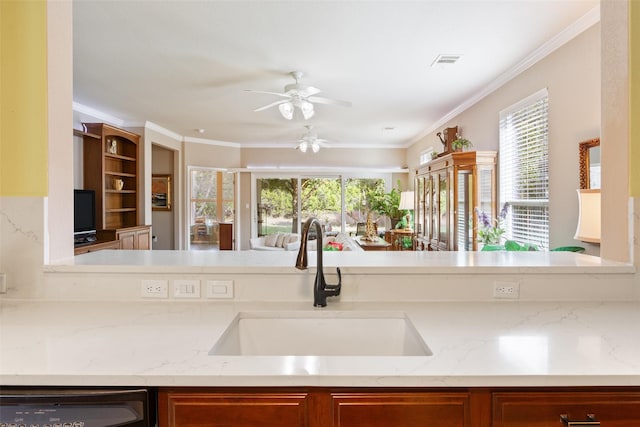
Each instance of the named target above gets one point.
<point>185,65</point>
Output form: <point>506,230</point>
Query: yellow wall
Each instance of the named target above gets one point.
<point>23,98</point>
<point>634,96</point>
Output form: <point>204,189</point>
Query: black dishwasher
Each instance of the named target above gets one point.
<point>76,407</point>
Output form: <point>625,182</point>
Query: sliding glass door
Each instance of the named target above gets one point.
<point>285,202</point>
<point>277,205</point>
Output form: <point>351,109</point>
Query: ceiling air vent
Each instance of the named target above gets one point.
<point>445,60</point>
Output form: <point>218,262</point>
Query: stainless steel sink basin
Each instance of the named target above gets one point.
<point>320,333</point>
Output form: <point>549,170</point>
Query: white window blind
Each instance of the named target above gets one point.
<point>524,169</point>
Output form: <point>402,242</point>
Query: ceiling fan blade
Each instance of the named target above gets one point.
<point>321,100</point>
<point>273,104</point>
<point>308,91</point>
<point>284,95</point>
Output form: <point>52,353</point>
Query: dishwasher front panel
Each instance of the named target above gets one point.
<point>71,407</point>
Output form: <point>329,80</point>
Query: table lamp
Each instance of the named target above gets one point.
<point>406,204</point>
<point>588,216</point>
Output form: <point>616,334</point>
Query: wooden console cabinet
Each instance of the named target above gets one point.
<point>380,407</point>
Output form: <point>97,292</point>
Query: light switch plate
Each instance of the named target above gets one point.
<point>186,288</point>
<point>219,289</point>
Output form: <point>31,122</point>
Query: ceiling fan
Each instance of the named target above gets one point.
<point>310,140</point>
<point>298,95</point>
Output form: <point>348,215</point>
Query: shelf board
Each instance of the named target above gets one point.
<point>120,157</point>
<point>111,190</point>
<point>126,174</point>
<point>120,210</point>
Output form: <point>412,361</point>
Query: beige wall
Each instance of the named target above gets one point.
<point>326,157</point>
<point>571,75</point>
<point>211,156</point>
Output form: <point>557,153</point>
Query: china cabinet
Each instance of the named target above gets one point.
<point>448,189</point>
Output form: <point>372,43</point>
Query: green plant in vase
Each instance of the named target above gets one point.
<point>461,144</point>
<point>491,230</point>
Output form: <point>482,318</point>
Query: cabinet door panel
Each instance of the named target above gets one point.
<point>401,410</point>
<point>127,240</point>
<point>543,409</point>
<point>143,239</point>
<point>233,410</point>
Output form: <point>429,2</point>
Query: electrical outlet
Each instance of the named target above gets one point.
<point>506,290</point>
<point>155,289</point>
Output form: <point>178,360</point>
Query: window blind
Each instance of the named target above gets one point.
<point>524,169</point>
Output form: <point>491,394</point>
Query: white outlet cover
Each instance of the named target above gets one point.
<point>154,289</point>
<point>506,290</point>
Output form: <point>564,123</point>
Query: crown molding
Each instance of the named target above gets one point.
<point>108,118</point>
<point>161,130</point>
<point>211,142</point>
<point>572,31</point>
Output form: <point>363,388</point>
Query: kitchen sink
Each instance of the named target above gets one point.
<point>320,333</point>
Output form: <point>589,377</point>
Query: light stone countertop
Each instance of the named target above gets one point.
<point>442,262</point>
<point>156,343</point>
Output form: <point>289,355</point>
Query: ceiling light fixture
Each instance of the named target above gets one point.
<point>303,146</point>
<point>286,109</point>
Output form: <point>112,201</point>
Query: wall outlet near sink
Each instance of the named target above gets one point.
<point>506,290</point>
<point>155,289</point>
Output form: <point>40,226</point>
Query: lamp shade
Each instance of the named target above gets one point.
<point>588,216</point>
<point>406,201</point>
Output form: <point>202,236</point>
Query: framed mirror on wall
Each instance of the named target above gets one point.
<point>590,164</point>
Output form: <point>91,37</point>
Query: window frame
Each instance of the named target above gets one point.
<point>528,117</point>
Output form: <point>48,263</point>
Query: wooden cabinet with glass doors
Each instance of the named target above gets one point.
<point>448,189</point>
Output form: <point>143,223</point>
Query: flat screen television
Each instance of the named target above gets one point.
<point>84,216</point>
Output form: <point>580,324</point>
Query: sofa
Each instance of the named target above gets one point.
<point>291,242</point>
<point>276,242</point>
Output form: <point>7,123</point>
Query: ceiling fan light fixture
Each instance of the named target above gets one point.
<point>286,109</point>
<point>303,146</point>
<point>315,147</point>
<point>307,109</point>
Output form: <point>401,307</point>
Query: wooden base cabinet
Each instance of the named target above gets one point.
<point>314,407</point>
<point>399,407</point>
<point>374,409</point>
<point>237,409</point>
<point>544,409</point>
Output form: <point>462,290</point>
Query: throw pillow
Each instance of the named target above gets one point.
<point>293,237</point>
<point>280,240</point>
<point>270,239</point>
